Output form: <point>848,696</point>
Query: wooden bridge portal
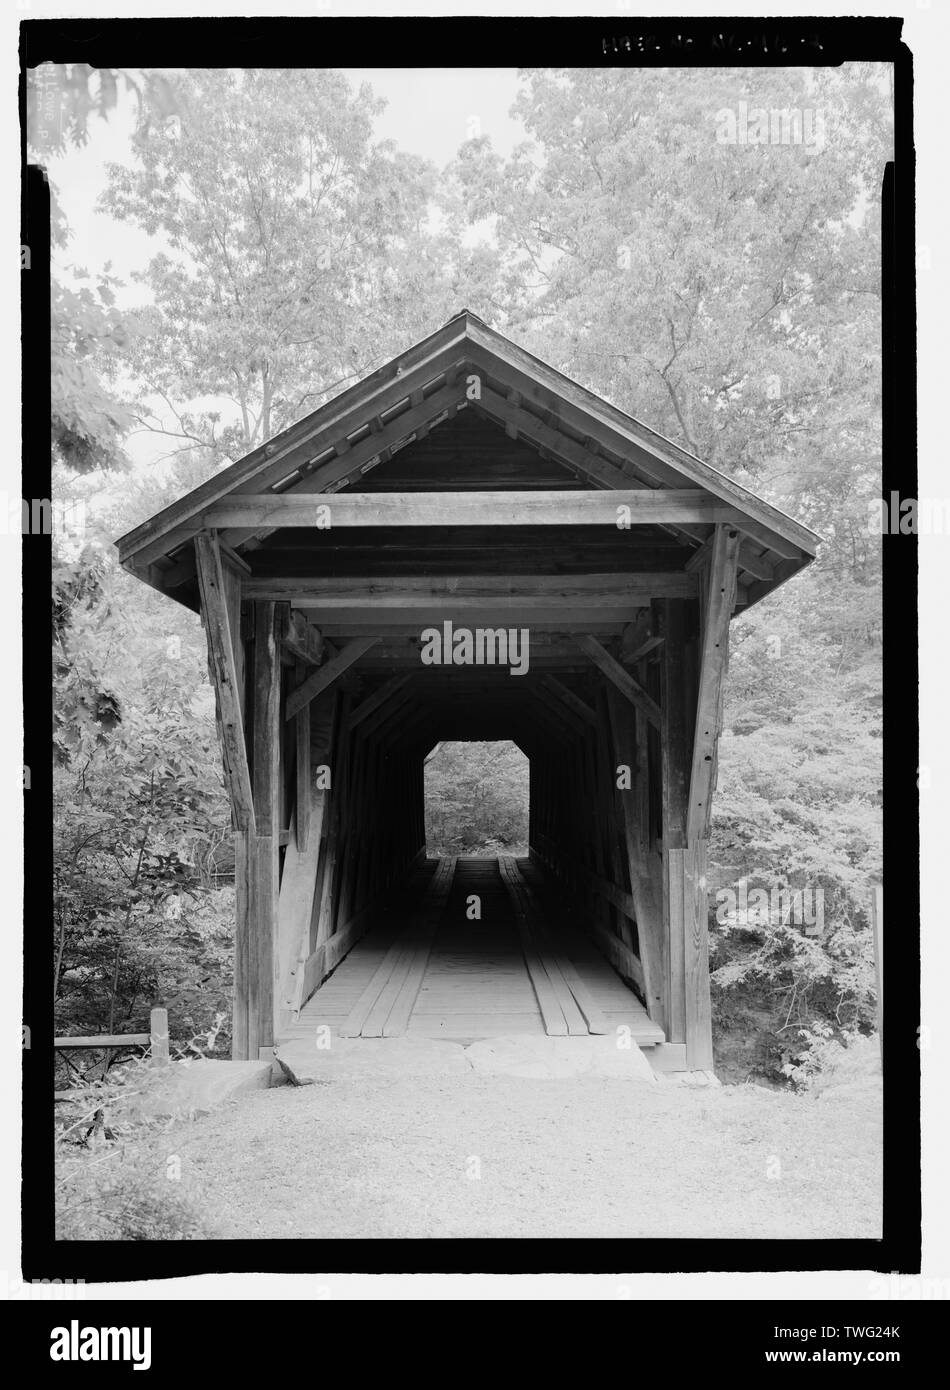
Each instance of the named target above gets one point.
<point>468,545</point>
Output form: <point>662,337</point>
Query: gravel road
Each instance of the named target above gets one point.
<point>505,1156</point>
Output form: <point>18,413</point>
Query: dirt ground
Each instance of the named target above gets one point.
<point>475,1155</point>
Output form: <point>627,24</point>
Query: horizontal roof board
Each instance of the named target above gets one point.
<point>334,447</point>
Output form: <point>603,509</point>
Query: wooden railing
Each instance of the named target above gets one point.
<point>156,1038</point>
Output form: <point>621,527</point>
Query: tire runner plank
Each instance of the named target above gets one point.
<point>375,1020</point>
<point>555,1024</point>
<point>553,946</point>
<point>561,969</point>
<point>559,1011</point>
<point>370,1014</point>
<point>596,1018</point>
<point>357,1015</point>
<point>401,1011</point>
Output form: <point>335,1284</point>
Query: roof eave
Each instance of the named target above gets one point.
<point>763,517</point>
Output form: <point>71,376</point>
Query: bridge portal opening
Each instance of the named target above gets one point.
<point>476,799</point>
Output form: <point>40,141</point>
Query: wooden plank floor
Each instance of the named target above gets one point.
<point>473,981</point>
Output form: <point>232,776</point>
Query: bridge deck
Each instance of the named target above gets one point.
<point>432,969</point>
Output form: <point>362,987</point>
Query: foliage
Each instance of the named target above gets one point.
<point>62,98</point>
<point>130,1200</point>
<point>727,295</point>
<point>138,800</point>
<point>798,803</point>
<point>298,253</point>
<point>113,1176</point>
<point>822,1060</point>
<point>476,799</point>
<point>88,334</point>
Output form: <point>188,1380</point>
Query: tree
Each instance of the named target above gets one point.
<point>138,793</point>
<point>476,799</point>
<point>298,251</point>
<point>88,334</point>
<point>727,295</point>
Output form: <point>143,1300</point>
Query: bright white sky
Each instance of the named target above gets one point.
<point>430,109</point>
<point>429,112</point>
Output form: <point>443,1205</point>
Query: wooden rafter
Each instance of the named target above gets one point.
<point>325,675</point>
<point>562,713</point>
<point>351,461</point>
<point>573,702</point>
<point>583,459</point>
<point>648,645</point>
<point>186,569</point>
<point>413,393</point>
<point>389,713</point>
<point>308,439</point>
<point>590,415</point>
<point>625,683</point>
<point>378,698</point>
<point>301,639</point>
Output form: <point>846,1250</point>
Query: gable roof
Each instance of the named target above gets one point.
<point>420,390</point>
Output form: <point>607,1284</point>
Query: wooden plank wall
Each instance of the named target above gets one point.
<point>610,801</point>
<point>335,820</point>
<point>583,829</point>
<point>366,829</point>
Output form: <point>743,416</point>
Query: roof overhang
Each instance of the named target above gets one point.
<point>613,461</point>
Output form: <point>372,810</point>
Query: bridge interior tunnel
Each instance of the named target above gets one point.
<point>579,896</point>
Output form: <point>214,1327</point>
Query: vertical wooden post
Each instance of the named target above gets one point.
<point>243,936</point>
<point>302,753</point>
<point>612,870</point>
<point>688,902</point>
<point>339,831</point>
<point>720,601</point>
<point>219,587</point>
<point>264,847</point>
<point>687,865</point>
<point>158,1029</point>
<point>322,925</point>
<point>676,737</point>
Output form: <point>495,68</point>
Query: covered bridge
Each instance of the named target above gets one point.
<point>467,545</point>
